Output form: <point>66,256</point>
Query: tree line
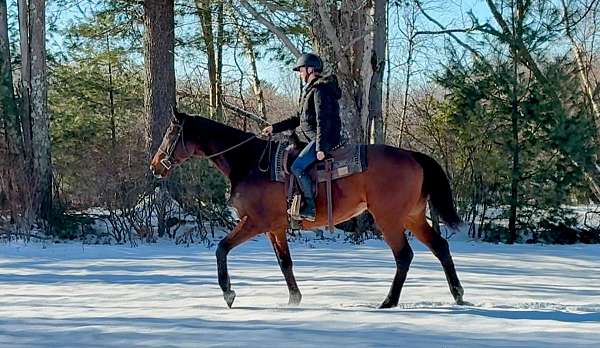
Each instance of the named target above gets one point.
<point>505,97</point>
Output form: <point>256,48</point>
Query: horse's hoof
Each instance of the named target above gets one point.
<point>387,304</point>
<point>229,297</point>
<point>461,302</point>
<point>458,296</point>
<point>295,298</point>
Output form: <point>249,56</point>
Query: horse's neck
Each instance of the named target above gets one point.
<point>218,138</point>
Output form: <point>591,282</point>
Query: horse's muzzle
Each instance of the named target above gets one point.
<point>156,175</point>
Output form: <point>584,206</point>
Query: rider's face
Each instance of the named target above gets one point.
<point>303,73</point>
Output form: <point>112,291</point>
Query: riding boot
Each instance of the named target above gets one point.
<point>308,210</point>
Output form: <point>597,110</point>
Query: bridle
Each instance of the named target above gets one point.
<point>167,161</point>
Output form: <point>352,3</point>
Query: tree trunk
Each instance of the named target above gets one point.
<point>240,81</point>
<point>377,61</point>
<point>16,187</point>
<point>219,62</point>
<point>346,47</point>
<point>514,178</point>
<point>40,125</point>
<point>514,116</point>
<point>388,75</point>
<point>25,87</point>
<point>35,120</point>
<point>205,13</point>
<point>353,34</point>
<point>409,60</point>
<point>256,85</point>
<point>159,86</point>
<point>367,71</point>
<point>111,100</point>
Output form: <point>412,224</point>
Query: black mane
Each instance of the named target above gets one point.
<point>214,137</point>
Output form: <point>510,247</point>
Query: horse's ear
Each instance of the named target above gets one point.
<point>177,116</point>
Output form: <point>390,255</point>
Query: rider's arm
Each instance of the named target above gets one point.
<point>287,124</point>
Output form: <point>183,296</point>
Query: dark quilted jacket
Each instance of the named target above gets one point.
<point>319,116</point>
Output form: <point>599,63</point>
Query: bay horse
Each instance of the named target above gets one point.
<point>394,189</point>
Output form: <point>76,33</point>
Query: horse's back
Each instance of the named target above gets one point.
<point>391,157</point>
<point>394,177</point>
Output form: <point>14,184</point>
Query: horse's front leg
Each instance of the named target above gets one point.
<point>243,231</point>
<point>282,251</point>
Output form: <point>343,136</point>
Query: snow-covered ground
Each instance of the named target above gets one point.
<point>73,295</point>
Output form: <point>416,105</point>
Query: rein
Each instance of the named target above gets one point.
<point>231,148</point>
<point>262,156</point>
<point>168,164</point>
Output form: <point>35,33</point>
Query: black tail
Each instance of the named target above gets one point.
<point>436,184</point>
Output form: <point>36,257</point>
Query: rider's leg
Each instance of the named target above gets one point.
<point>307,157</point>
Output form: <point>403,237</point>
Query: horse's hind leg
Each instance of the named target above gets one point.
<point>403,255</point>
<point>439,247</point>
<point>393,234</point>
<point>282,251</point>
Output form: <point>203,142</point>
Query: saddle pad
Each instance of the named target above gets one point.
<point>348,160</point>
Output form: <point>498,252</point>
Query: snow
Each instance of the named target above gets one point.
<point>162,295</point>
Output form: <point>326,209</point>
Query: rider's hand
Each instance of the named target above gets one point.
<point>268,130</point>
<point>320,155</point>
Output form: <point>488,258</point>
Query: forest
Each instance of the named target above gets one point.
<point>504,94</point>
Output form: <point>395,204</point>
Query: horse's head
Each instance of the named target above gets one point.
<point>173,150</point>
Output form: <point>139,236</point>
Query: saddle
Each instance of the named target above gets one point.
<point>344,160</point>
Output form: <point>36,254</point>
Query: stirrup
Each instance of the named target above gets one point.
<point>294,208</point>
<point>293,215</point>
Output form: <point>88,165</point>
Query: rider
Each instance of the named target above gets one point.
<point>319,121</point>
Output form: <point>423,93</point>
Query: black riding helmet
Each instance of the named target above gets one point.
<point>309,60</point>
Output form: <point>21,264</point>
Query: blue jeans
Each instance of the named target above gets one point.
<point>306,157</point>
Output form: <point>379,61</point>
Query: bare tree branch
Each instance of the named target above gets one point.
<point>451,34</point>
<point>588,9</point>
<point>272,28</point>
<point>449,31</point>
<point>498,17</point>
<point>256,118</point>
<point>277,6</point>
